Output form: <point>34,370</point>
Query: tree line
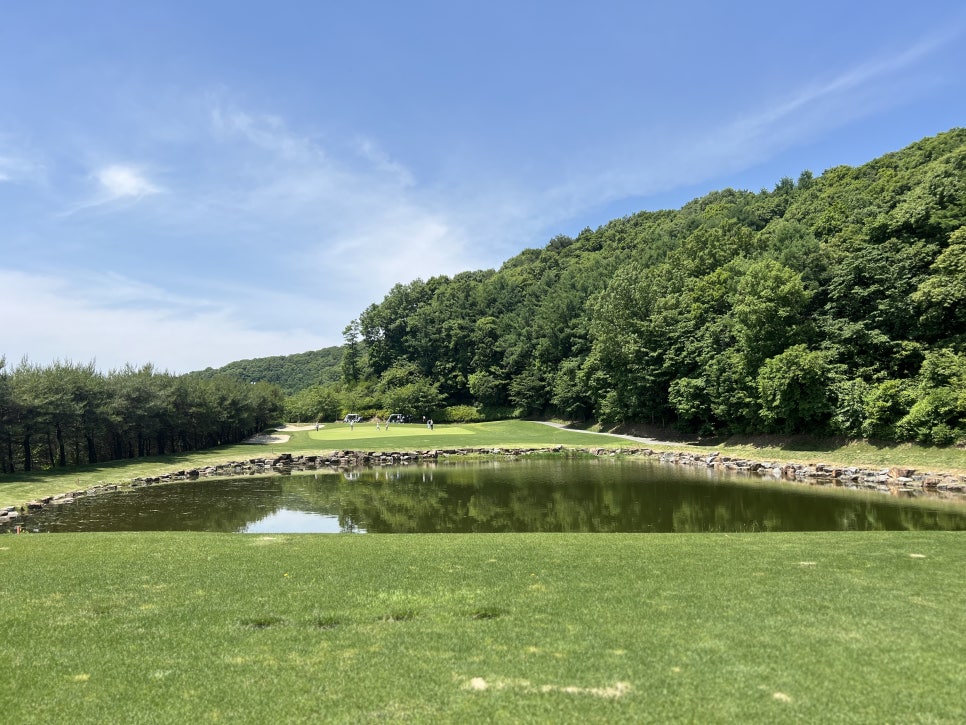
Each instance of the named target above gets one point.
<point>833,304</point>
<point>68,414</point>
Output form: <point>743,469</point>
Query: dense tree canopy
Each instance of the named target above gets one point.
<point>819,306</point>
<point>70,414</point>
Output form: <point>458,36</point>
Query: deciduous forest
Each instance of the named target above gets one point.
<point>831,304</point>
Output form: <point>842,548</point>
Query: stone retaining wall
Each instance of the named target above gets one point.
<point>892,480</point>
<point>895,480</point>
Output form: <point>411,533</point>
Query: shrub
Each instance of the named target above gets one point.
<point>935,418</point>
<point>459,414</point>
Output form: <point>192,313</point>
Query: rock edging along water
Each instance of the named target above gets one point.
<point>894,480</point>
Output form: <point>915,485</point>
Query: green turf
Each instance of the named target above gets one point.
<point>179,627</point>
<point>414,436</point>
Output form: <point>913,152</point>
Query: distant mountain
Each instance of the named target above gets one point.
<point>291,373</point>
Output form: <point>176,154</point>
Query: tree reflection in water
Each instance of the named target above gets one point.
<point>531,495</point>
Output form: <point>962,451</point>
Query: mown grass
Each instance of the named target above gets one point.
<point>820,627</point>
<point>18,488</point>
<point>413,436</point>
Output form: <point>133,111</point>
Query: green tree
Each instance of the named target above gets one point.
<point>941,297</point>
<point>793,389</point>
<point>769,310</point>
<point>886,403</point>
<point>318,403</point>
<point>938,413</point>
<point>488,389</point>
<point>350,353</point>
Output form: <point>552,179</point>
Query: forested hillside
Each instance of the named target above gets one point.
<point>829,304</point>
<point>289,372</point>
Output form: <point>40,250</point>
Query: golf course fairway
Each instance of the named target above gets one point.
<point>195,627</point>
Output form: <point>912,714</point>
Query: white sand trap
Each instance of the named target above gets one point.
<point>267,440</point>
<point>279,435</point>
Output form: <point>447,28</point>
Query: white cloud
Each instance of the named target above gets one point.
<point>126,322</point>
<point>119,181</point>
<point>348,208</point>
<point>116,183</point>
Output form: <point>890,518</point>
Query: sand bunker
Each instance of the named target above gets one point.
<point>279,435</point>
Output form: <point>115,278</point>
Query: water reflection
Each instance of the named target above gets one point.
<point>287,521</point>
<point>556,495</point>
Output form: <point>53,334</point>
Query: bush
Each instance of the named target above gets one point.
<point>459,414</point>
<point>935,418</point>
<point>497,412</point>
<point>885,404</point>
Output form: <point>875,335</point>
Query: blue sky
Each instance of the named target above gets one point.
<point>191,183</point>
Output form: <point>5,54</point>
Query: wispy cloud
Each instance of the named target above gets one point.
<point>846,93</point>
<point>268,132</point>
<point>704,151</point>
<point>16,167</point>
<point>119,181</point>
<point>115,184</point>
<point>348,206</point>
<point>71,319</point>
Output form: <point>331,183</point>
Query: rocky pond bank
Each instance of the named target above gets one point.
<point>896,481</point>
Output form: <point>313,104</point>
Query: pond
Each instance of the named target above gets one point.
<point>534,495</point>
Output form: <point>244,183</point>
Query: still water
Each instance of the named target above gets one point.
<point>613,495</point>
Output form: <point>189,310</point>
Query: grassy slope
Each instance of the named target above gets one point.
<point>19,488</point>
<point>444,628</point>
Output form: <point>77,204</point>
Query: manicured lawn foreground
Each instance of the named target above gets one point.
<point>176,627</point>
